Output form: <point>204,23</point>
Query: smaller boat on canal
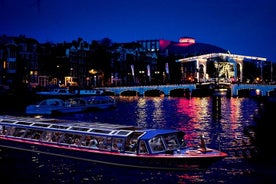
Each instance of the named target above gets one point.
<point>54,106</point>
<point>112,144</point>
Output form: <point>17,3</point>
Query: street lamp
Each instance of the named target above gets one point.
<point>95,80</point>
<point>94,72</point>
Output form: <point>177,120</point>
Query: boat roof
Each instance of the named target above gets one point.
<point>150,133</point>
<point>68,125</point>
<point>75,126</point>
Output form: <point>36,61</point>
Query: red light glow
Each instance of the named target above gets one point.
<point>186,41</point>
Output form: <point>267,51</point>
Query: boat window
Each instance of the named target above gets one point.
<point>47,137</point>
<point>41,125</point>
<point>131,145</point>
<point>23,123</point>
<point>33,134</point>
<point>73,139</point>
<point>157,144</point>
<point>123,132</point>
<point>171,141</point>
<point>101,131</point>
<point>4,129</point>
<point>143,148</point>
<point>94,141</point>
<point>50,136</point>
<point>104,143</point>
<point>8,130</point>
<point>17,131</point>
<point>117,144</point>
<point>131,142</point>
<point>56,136</point>
<point>37,135</point>
<point>59,126</point>
<point>28,133</point>
<point>79,128</point>
<point>7,121</point>
<point>86,140</point>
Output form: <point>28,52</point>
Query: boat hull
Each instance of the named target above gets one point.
<point>165,162</point>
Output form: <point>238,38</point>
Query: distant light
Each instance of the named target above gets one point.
<point>4,64</point>
<point>186,40</point>
<point>258,92</point>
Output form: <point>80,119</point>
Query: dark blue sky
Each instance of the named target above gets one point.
<point>246,27</point>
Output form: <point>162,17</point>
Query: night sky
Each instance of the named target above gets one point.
<point>246,27</point>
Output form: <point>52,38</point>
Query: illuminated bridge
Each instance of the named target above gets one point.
<point>167,90</point>
<point>142,90</point>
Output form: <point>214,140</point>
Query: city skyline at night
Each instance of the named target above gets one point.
<point>238,26</point>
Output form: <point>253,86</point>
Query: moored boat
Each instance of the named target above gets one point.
<point>54,106</point>
<point>112,144</point>
<point>47,106</point>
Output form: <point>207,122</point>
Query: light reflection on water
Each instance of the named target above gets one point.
<point>222,121</point>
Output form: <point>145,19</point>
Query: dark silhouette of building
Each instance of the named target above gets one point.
<point>24,61</point>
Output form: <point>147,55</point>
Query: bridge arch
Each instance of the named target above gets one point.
<point>153,93</point>
<point>180,92</point>
<point>129,93</point>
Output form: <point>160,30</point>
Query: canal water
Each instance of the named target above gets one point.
<point>237,126</point>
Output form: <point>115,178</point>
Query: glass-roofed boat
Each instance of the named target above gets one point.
<point>113,144</point>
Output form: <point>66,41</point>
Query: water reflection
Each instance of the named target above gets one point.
<point>221,120</point>
<point>216,108</point>
<point>148,110</point>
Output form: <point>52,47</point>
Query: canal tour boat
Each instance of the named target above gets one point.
<point>113,144</point>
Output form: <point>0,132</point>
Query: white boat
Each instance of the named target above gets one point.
<point>57,106</point>
<point>48,106</point>
<point>52,106</point>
